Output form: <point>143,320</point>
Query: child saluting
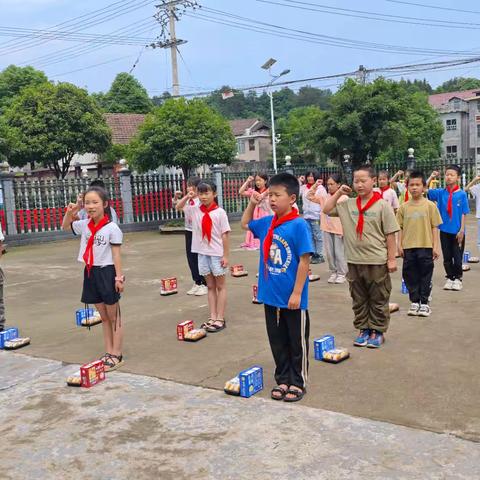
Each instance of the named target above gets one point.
<point>286,246</point>
<point>102,280</point>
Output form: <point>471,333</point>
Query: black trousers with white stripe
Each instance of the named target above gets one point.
<point>288,332</point>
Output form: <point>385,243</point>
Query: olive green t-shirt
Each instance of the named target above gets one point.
<point>416,221</point>
<point>379,221</point>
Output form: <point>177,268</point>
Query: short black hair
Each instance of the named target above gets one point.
<point>418,174</point>
<point>366,168</point>
<point>206,186</point>
<point>313,173</point>
<point>383,172</point>
<point>456,168</point>
<point>336,177</point>
<point>288,181</point>
<point>193,181</point>
<point>98,183</point>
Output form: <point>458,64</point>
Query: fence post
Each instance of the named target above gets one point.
<point>217,171</point>
<point>126,193</point>
<point>6,177</point>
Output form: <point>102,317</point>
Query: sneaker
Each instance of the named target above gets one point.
<point>362,339</point>
<point>315,259</point>
<point>413,310</point>
<point>424,311</point>
<point>201,290</point>
<point>457,285</point>
<point>448,285</point>
<point>321,259</point>
<point>332,278</point>
<point>193,290</point>
<point>341,279</point>
<point>376,339</point>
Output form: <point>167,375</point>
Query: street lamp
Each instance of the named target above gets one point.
<point>267,66</point>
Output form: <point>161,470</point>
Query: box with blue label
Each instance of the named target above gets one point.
<point>322,345</point>
<point>251,381</point>
<point>82,314</point>
<point>6,335</point>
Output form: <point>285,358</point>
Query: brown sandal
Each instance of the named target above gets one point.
<point>213,328</point>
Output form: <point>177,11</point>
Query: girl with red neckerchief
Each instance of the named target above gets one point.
<point>259,184</point>
<point>103,282</point>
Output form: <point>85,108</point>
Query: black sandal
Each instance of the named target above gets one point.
<point>207,324</point>
<point>283,392</point>
<point>212,328</point>
<point>298,395</point>
<point>110,364</point>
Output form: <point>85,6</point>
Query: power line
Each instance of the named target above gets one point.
<point>322,39</point>
<point>80,27</point>
<point>345,12</point>
<point>434,7</point>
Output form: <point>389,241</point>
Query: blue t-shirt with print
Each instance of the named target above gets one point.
<point>291,240</point>
<point>459,207</point>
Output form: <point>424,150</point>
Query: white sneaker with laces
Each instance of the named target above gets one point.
<point>424,311</point>
<point>193,290</point>
<point>201,290</point>
<point>332,278</point>
<point>341,279</point>
<point>457,285</point>
<point>448,285</point>
<point>413,310</point>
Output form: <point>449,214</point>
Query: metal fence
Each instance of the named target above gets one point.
<point>39,205</point>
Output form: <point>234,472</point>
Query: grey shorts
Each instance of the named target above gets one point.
<point>210,265</point>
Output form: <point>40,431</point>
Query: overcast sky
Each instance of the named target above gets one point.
<point>216,54</point>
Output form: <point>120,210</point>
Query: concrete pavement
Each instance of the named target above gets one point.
<point>426,375</point>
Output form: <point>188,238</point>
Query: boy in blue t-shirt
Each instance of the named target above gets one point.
<point>286,246</point>
<point>452,202</point>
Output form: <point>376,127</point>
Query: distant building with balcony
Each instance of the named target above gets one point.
<point>254,141</point>
<point>460,115</point>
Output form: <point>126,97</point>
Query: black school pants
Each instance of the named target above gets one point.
<point>417,273</point>
<point>288,332</point>
<point>452,255</point>
<point>192,259</point>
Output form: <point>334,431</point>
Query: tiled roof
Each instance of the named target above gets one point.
<point>443,98</point>
<point>124,126</point>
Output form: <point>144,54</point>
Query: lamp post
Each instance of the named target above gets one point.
<point>288,164</point>
<point>347,168</point>
<point>411,159</point>
<point>267,66</point>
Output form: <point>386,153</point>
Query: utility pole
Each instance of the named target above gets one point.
<point>169,12</point>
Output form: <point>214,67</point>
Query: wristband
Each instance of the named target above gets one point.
<point>120,279</point>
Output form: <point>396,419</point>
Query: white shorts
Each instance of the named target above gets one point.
<point>208,264</point>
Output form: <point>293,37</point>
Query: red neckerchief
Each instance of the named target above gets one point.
<point>264,189</point>
<point>276,222</point>
<point>88,254</point>
<point>207,223</point>
<point>384,189</point>
<point>309,185</point>
<point>375,198</point>
<point>406,194</point>
<point>191,202</point>
<point>450,199</point>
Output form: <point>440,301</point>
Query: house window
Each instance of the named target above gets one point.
<point>478,106</point>
<point>452,124</point>
<point>452,150</point>
<point>478,131</point>
<point>478,150</point>
<point>240,147</point>
<point>251,145</point>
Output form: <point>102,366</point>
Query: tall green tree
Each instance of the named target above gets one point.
<point>311,96</point>
<point>126,95</point>
<point>380,120</point>
<point>49,124</point>
<point>183,134</point>
<point>301,135</point>
<point>458,84</point>
<point>14,79</point>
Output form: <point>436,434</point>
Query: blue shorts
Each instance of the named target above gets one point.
<point>208,264</point>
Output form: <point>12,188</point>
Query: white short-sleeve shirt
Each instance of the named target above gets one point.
<point>108,235</point>
<point>475,190</point>
<point>219,227</point>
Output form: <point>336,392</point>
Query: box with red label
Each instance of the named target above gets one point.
<point>238,271</point>
<point>255,293</point>
<point>183,328</point>
<point>169,286</point>
<point>92,373</point>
